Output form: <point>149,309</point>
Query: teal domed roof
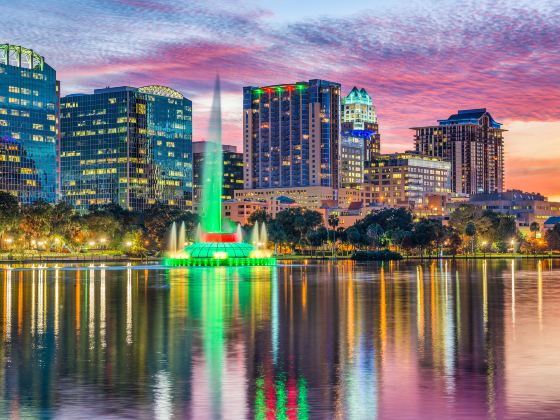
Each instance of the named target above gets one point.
<point>208,249</point>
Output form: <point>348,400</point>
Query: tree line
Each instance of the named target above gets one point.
<point>41,226</point>
<point>469,230</point>
<point>109,228</point>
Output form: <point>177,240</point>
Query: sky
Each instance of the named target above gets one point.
<point>420,60</point>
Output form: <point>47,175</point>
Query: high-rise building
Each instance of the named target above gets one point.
<point>233,170</point>
<point>473,142</point>
<point>29,96</point>
<point>359,122</point>
<point>291,135</point>
<point>128,146</point>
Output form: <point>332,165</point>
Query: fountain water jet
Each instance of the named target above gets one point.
<point>263,239</point>
<point>217,243</point>
<point>172,246</point>
<point>182,237</point>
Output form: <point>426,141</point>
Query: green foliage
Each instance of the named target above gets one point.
<point>297,223</point>
<point>387,219</point>
<point>9,214</point>
<point>552,237</point>
<point>157,220</point>
<point>384,255</point>
<point>259,216</point>
<point>317,237</point>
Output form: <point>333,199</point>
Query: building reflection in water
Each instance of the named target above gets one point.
<point>298,341</point>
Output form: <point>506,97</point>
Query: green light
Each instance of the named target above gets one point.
<point>279,89</point>
<point>300,87</point>
<point>260,401</point>
<point>302,406</point>
<point>217,262</point>
<point>212,171</point>
<point>258,91</point>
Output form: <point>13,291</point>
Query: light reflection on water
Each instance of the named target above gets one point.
<point>401,340</point>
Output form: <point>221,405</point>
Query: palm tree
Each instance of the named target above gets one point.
<point>534,228</point>
<point>333,222</point>
<point>470,230</point>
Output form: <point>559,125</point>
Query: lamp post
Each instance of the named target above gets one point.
<point>484,243</point>
<point>512,247</point>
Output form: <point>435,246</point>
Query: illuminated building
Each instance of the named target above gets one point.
<point>359,122</point>
<point>351,162</point>
<point>29,95</point>
<point>291,135</point>
<point>307,197</point>
<point>125,145</point>
<point>241,211</point>
<point>473,142</point>
<point>526,207</point>
<point>404,179</point>
<point>233,170</point>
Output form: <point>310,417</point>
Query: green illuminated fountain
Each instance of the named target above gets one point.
<point>219,241</point>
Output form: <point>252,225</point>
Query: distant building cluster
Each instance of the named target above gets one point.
<point>304,144</point>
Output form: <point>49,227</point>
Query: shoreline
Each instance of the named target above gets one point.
<point>100,258</point>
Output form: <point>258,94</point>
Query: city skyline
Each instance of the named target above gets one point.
<point>411,59</point>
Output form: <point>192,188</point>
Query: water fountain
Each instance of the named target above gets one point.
<point>218,243</point>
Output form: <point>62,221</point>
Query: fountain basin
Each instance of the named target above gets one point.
<point>212,254</point>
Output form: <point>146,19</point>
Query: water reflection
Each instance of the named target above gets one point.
<point>400,340</point>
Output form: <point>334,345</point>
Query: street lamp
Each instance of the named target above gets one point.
<point>484,243</point>
<point>512,246</point>
<point>128,244</point>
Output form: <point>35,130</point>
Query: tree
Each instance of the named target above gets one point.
<point>470,231</point>
<point>552,237</point>
<point>534,228</point>
<point>333,222</point>
<point>36,223</point>
<point>398,237</point>
<point>9,214</point>
<point>374,233</point>
<point>297,222</point>
<point>157,220</point>
<point>276,234</point>
<point>388,219</point>
<point>318,237</point>
<point>453,240</point>
<point>259,216</point>
<point>354,236</point>
<point>428,233</point>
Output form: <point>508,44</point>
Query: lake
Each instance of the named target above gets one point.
<point>400,340</point>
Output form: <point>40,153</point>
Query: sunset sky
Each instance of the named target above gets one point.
<point>419,60</point>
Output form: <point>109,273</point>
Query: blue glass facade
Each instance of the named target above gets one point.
<point>291,135</point>
<point>29,95</point>
<point>125,145</point>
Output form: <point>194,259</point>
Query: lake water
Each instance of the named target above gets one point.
<point>431,340</point>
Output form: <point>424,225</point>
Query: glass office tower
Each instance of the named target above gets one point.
<point>291,135</point>
<point>29,95</point>
<point>125,145</point>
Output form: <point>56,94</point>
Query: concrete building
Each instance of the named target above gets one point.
<point>404,180</point>
<point>241,211</point>
<point>526,207</point>
<point>472,141</point>
<point>308,197</point>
